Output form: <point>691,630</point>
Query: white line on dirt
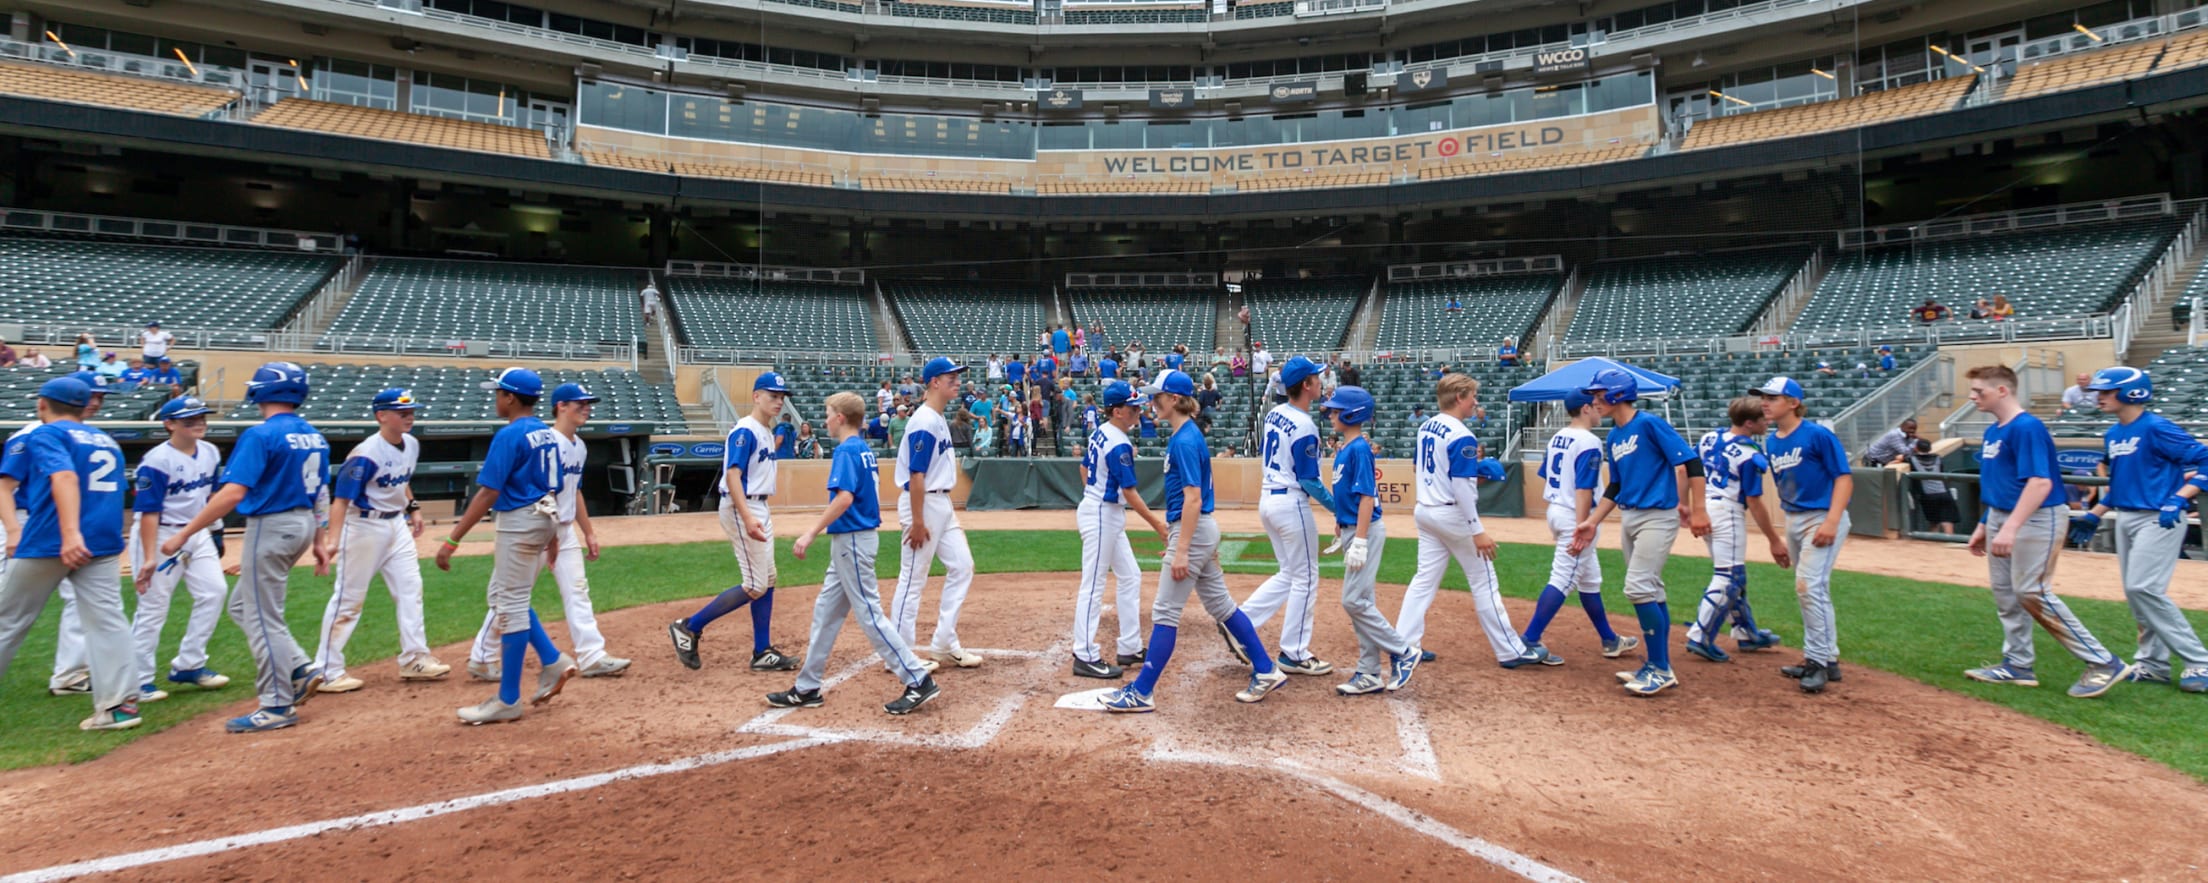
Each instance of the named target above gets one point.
<point>1418,744</point>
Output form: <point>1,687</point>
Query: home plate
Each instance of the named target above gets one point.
<point>1086,700</point>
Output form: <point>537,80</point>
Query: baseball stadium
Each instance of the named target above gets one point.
<point>1609,440</point>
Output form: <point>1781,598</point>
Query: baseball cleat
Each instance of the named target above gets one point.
<point>914,696</point>
<point>1760,639</point>
<point>1707,651</point>
<point>2141,675</point>
<point>2194,680</point>
<point>424,670</point>
<point>490,711</point>
<point>1619,647</point>
<point>2003,673</point>
<point>1234,647</point>
<point>1534,654</point>
<point>1261,684</point>
<point>203,678</point>
<point>151,693</point>
<point>121,717</point>
<point>771,659</point>
<point>2100,679</point>
<point>1133,659</point>
<point>1797,672</point>
<point>1400,668</point>
<point>483,671</point>
<point>75,684</point>
<point>1361,684</point>
<point>1128,700</point>
<point>1626,677</point>
<point>606,667</point>
<point>305,682</point>
<point>1814,676</point>
<point>1425,656</point>
<point>686,643</point>
<point>344,684</point>
<point>1650,681</point>
<point>926,666</point>
<point>553,678</point>
<point>958,656</point>
<point>1083,668</point>
<point>795,698</point>
<point>262,721</point>
<point>1311,666</point>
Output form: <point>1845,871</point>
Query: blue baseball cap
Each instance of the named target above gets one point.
<point>769,382</point>
<point>66,390</point>
<point>394,399</point>
<point>571,392</point>
<point>1575,399</point>
<point>1779,386</point>
<point>1353,404</point>
<point>1118,392</point>
<point>1297,371</point>
<point>92,381</point>
<point>938,367</point>
<point>181,408</point>
<point>1171,381</point>
<point>519,381</point>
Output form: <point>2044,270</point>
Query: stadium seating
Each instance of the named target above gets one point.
<point>342,392</point>
<point>737,313</point>
<point>2180,394</point>
<point>1124,187</point>
<point>2185,50</point>
<point>968,317</point>
<point>1415,314</point>
<point>1709,382</point>
<point>66,281</point>
<point>1680,296</point>
<point>1309,179</point>
<point>617,159</point>
<point>2072,271</point>
<point>1869,108</point>
<point>409,128</point>
<point>1263,9</point>
<point>480,300</point>
<point>961,12</point>
<point>1304,315</point>
<point>923,183</point>
<point>1142,16</point>
<point>741,171</point>
<point>1159,318</point>
<point>2079,70</point>
<point>51,83</point>
<point>1467,166</point>
<point>19,394</point>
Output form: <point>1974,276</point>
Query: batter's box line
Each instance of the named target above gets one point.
<point>981,734</point>
<point>1494,854</point>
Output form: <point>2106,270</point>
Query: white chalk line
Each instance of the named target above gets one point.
<point>1418,744</point>
<point>1499,856</point>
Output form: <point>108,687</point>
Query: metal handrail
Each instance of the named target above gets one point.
<point>2004,222</point>
<point>184,232</point>
<point>1898,399</point>
<point>41,332</point>
<point>1784,308</point>
<point>2132,316</point>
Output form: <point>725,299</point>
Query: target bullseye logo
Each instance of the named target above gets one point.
<point>1449,147</point>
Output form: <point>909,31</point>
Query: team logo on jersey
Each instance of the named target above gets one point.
<point>1625,447</point>
<point>1993,449</point>
<point>1786,461</point>
<point>144,482</point>
<point>2124,448</point>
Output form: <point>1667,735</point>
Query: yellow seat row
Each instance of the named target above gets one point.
<point>1469,167</point>
<point>391,125</point>
<point>111,90</point>
<point>1869,108</point>
<point>932,184</point>
<point>2085,69</point>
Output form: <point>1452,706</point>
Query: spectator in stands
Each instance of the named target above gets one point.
<point>897,426</point>
<point>2002,309</point>
<point>1015,372</point>
<point>7,355</point>
<point>136,375</point>
<point>808,446</point>
<point>1218,359</point>
<point>154,343</point>
<point>1080,338</point>
<point>1260,360</point>
<point>88,353</point>
<point>1107,368</point>
<point>876,429</point>
<point>1507,354</point>
<point>1016,435</point>
<point>2078,396</point>
<point>34,359</point>
<point>996,369</point>
<point>985,439</point>
<point>1930,311</point>
<point>1177,357</point>
<point>1061,343</point>
<point>649,300</point>
<point>1824,367</point>
<point>110,367</point>
<point>1418,416</point>
<point>962,433</point>
<point>1979,309</point>
<point>1038,417</point>
<point>981,406</point>
<point>1886,358</point>
<point>1455,306</point>
<point>1077,365</point>
<point>785,438</point>
<point>907,388</point>
<point>165,374</point>
<point>1135,356</point>
<point>1894,446</point>
<point>1934,499</point>
<point>1440,371</point>
<point>1045,375</point>
<point>1238,366</point>
<point>1097,338</point>
<point>1350,375</point>
<point>883,399</point>
<point>1208,398</point>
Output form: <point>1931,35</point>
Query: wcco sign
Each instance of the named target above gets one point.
<point>1561,60</point>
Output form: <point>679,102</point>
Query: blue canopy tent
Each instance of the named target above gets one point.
<point>1552,386</point>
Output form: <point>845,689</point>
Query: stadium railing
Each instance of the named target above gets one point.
<point>2134,313</point>
<point>1781,311</point>
<point>1900,398</point>
<point>76,224</point>
<point>317,308</point>
<point>2020,330</point>
<point>2001,222</point>
<point>1315,8</point>
<point>177,70</point>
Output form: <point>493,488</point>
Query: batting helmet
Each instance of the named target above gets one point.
<point>1614,386</point>
<point>278,382</point>
<point>2131,385</point>
<point>1353,403</point>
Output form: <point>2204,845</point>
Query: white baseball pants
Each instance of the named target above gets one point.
<point>754,559</point>
<point>1444,534</point>
<point>946,540</point>
<point>1106,551</point>
<point>1566,570</point>
<point>367,547</point>
<point>574,585</point>
<point>2023,590</point>
<point>1294,533</point>
<point>200,570</point>
<point>1728,541</point>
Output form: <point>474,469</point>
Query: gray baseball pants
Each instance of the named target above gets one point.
<point>2023,589</point>
<point>1375,636</point>
<point>273,543</point>
<point>1205,579</point>
<point>2148,554</point>
<point>30,581</point>
<point>849,588</point>
<point>1813,582</point>
<point>1646,540</point>
<point>523,535</point>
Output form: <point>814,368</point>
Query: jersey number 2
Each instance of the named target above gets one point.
<point>103,471</point>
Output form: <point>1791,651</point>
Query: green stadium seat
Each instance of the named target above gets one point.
<point>2073,271</point>
<point>968,317</point>
<point>77,282</point>
<point>1304,315</point>
<point>1415,314</point>
<point>758,314</point>
<point>1711,295</point>
<point>439,300</point>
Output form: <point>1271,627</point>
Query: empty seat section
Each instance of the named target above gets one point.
<point>1303,315</point>
<point>484,300</point>
<point>1707,383</point>
<point>111,90</point>
<point>1158,317</point>
<point>409,128</point>
<point>343,391</point>
<point>1829,116</point>
<point>975,12</point>
<point>2082,69</point>
<point>968,318</point>
<point>19,391</point>
<point>106,283</point>
<point>2072,271</point>
<point>1466,166</point>
<point>1416,314</point>
<point>1681,296</point>
<point>748,314</point>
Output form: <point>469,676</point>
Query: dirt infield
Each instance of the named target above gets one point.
<point>1472,773</point>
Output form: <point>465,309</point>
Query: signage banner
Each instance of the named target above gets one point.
<point>1422,80</point>
<point>1172,99</point>
<point>1297,92</point>
<point>1059,99</point>
<point>1562,60</point>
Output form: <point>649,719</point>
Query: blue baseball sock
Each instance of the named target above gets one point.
<point>1245,634</point>
<point>1543,611</point>
<point>1153,663</point>
<point>722,604</point>
<point>762,621</point>
<point>1592,603</point>
<point>512,655</point>
<point>1655,633</point>
<point>547,653</point>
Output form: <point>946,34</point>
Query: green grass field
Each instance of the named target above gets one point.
<point>1922,630</point>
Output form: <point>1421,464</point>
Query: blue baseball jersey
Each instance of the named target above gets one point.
<point>1108,465</point>
<point>67,446</point>
<point>2147,462</point>
<point>1355,476</point>
<point>854,472</point>
<point>168,377</point>
<point>1806,463</point>
<point>1732,467</point>
<point>523,465</point>
<point>1642,454</point>
<point>282,464</point>
<point>785,441</point>
<point>2016,452</point>
<point>1187,465</point>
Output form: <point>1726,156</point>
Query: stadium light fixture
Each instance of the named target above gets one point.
<point>298,73</point>
<point>2088,32</point>
<point>188,65</point>
<point>1823,73</point>
<point>1958,59</point>
<point>1720,95</point>
<point>64,46</point>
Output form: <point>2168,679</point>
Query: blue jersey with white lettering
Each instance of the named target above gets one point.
<point>854,472</point>
<point>33,457</point>
<point>282,464</point>
<point>1187,465</point>
<point>2147,461</point>
<point>1807,462</point>
<point>1355,476</point>
<point>1642,454</point>
<point>523,465</point>
<point>2016,452</point>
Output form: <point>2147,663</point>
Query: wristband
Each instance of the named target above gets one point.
<point>452,542</point>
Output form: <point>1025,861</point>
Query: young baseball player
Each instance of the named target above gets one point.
<point>275,479</point>
<point>927,469</point>
<point>747,481</point>
<point>375,520</point>
<point>1814,488</point>
<point>852,522</point>
<point>1732,483</point>
<point>1569,476</point>
<point>1447,464</point>
<point>172,484</point>
<point>1109,489</point>
<point>571,406</point>
<point>2148,457</point>
<point>68,479</point>
<point>72,675</point>
<point>1657,480</point>
<point>1288,455</point>
<point>1357,513</point>
<point>2017,476</point>
<point>1192,558</point>
<point>520,480</point>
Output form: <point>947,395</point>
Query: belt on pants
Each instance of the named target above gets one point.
<point>760,497</point>
<point>1283,490</point>
<point>382,516</point>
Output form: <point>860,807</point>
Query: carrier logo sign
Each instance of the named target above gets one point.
<point>1296,93</point>
<point>1062,99</point>
<point>1561,60</point>
<point>2084,460</point>
<point>1420,81</point>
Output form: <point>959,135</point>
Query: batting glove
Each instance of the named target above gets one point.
<point>1340,537</point>
<point>1489,469</point>
<point>1354,559</point>
<point>2173,511</point>
<point>2083,527</point>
